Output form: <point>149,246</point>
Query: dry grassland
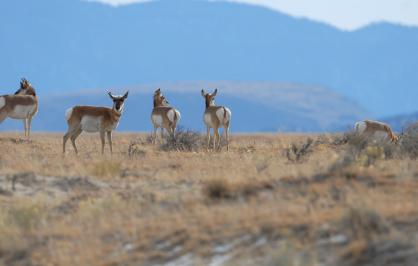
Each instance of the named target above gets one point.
<point>263,202</point>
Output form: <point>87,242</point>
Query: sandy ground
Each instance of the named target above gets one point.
<point>260,203</point>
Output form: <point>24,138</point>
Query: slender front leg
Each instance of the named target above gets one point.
<point>109,139</point>
<point>25,126</point>
<point>102,138</point>
<point>29,125</point>
<point>208,136</point>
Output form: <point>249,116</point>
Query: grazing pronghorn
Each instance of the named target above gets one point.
<point>94,119</point>
<point>163,116</point>
<point>216,117</point>
<point>22,105</point>
<point>375,129</point>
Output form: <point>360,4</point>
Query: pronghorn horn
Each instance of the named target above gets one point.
<point>215,92</point>
<point>203,93</point>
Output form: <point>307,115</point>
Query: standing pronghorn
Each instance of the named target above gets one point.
<point>216,117</point>
<point>22,105</point>
<point>375,129</point>
<point>94,119</point>
<point>163,116</point>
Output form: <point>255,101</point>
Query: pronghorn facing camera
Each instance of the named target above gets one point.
<point>216,117</point>
<point>22,105</point>
<point>163,116</point>
<point>375,129</point>
<point>94,119</point>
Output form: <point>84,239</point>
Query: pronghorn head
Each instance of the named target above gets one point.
<point>163,101</point>
<point>157,92</point>
<point>118,101</point>
<point>25,88</point>
<point>158,98</point>
<point>209,97</point>
<point>394,138</point>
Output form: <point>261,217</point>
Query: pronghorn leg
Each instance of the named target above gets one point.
<point>67,135</point>
<point>102,138</point>
<point>154,135</point>
<point>65,138</point>
<point>109,139</point>
<point>215,137</point>
<point>29,121</point>
<point>74,136</point>
<point>226,130</point>
<point>162,135</point>
<point>25,126</point>
<point>208,136</point>
<point>173,131</point>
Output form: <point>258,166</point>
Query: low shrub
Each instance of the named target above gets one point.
<point>183,140</point>
<point>296,152</point>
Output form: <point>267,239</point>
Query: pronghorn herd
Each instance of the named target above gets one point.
<point>24,105</point>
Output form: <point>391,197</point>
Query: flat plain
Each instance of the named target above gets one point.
<point>278,199</point>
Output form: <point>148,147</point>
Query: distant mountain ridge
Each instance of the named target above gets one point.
<point>256,107</point>
<point>67,45</point>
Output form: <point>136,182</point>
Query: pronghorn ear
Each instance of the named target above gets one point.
<point>203,93</point>
<point>158,91</point>
<point>125,95</point>
<point>110,95</point>
<point>215,92</point>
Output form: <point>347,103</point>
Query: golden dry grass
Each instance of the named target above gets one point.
<point>250,205</point>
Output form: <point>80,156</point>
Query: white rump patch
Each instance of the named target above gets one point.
<point>2,102</point>
<point>223,118</point>
<point>170,115</point>
<point>68,113</point>
<point>91,123</point>
<point>228,115</point>
<point>178,114</point>
<point>360,127</point>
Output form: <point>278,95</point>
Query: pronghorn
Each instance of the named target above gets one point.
<point>375,129</point>
<point>216,117</point>
<point>94,119</point>
<point>163,116</point>
<point>22,105</point>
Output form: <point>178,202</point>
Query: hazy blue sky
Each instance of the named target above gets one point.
<point>344,14</point>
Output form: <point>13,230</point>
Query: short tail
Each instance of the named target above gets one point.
<point>68,114</point>
<point>175,116</point>
<point>227,115</point>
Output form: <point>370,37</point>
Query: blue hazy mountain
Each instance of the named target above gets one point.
<point>68,45</point>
